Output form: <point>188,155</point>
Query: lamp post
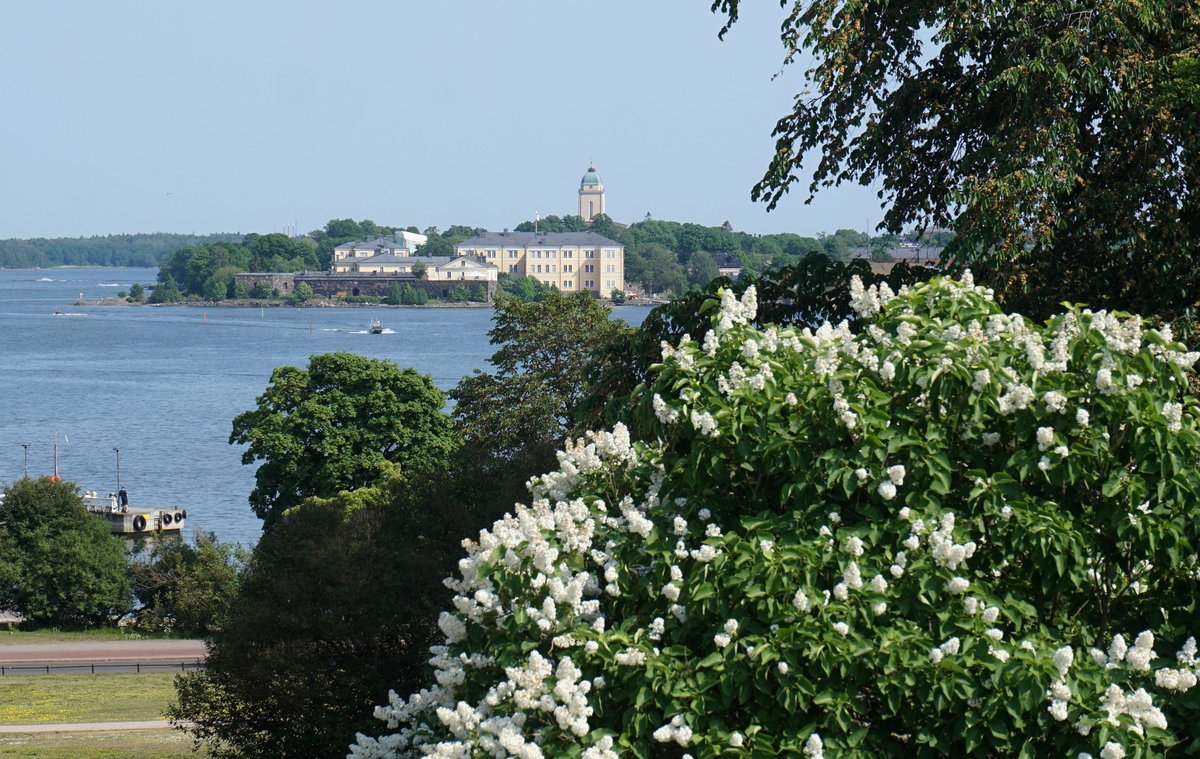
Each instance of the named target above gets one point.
<point>118,452</point>
<point>26,447</point>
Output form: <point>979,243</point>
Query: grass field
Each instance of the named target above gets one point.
<point>112,697</point>
<point>139,744</point>
<point>9,634</point>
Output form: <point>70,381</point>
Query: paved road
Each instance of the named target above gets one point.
<point>87,727</point>
<point>102,651</point>
<point>86,657</point>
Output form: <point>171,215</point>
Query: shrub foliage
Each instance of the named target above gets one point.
<point>954,532</point>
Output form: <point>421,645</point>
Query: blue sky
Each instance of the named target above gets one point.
<point>254,116</point>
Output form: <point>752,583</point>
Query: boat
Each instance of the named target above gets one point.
<point>128,520</point>
<point>376,327</point>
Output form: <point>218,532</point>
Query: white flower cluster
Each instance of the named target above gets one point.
<point>585,550</point>
<point>949,648</point>
<point>867,301</point>
<point>734,311</point>
<point>676,730</point>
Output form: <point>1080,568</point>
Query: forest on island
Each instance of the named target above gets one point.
<point>135,250</point>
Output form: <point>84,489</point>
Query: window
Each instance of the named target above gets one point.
<point>512,268</point>
<point>591,254</point>
<point>537,254</point>
<point>550,268</point>
<point>589,267</point>
<point>610,284</point>
<point>568,253</point>
<point>512,253</point>
<point>589,283</point>
<point>608,254</point>
<point>568,268</point>
<point>568,285</point>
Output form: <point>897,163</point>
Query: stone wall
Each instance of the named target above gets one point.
<point>369,283</point>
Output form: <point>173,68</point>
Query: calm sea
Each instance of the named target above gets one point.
<point>163,384</point>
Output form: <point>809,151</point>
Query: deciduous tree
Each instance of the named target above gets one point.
<point>187,587</point>
<point>338,425</point>
<point>1053,136</point>
<point>59,565</point>
<point>337,605</point>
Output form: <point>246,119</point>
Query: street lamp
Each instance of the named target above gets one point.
<point>118,452</point>
<point>26,447</point>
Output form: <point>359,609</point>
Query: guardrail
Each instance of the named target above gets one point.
<point>94,667</point>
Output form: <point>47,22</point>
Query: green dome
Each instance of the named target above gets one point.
<point>591,177</point>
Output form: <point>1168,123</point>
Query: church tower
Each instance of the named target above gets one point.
<point>591,195</point>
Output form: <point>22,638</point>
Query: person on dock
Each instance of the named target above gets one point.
<point>112,503</point>
<point>124,500</point>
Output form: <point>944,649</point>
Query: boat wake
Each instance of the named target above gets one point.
<point>69,313</point>
<point>108,284</point>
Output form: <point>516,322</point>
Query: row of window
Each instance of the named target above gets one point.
<point>548,254</point>
<point>550,268</point>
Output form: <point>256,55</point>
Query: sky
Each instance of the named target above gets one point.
<point>271,116</point>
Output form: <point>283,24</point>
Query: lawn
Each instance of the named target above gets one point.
<point>10,634</point>
<point>112,697</point>
<point>137,744</point>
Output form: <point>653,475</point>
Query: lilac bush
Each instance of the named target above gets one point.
<point>953,531</point>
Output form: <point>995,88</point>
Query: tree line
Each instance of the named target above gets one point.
<point>137,250</point>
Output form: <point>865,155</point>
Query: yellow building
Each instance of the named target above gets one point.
<point>570,261</point>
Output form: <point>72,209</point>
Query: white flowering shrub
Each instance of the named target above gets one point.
<point>954,532</point>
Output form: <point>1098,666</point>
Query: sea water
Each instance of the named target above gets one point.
<point>162,384</point>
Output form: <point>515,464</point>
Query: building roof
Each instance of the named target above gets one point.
<point>538,239</point>
<point>386,242</point>
<point>590,178</point>
<point>468,261</point>
<point>438,261</point>
<point>392,258</point>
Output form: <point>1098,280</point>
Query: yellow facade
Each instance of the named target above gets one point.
<point>598,269</point>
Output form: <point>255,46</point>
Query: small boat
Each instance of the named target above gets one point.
<point>376,327</point>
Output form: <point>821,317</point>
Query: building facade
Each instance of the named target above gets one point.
<point>591,195</point>
<point>570,261</point>
<point>346,255</point>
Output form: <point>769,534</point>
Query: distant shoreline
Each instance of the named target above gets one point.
<point>308,304</point>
